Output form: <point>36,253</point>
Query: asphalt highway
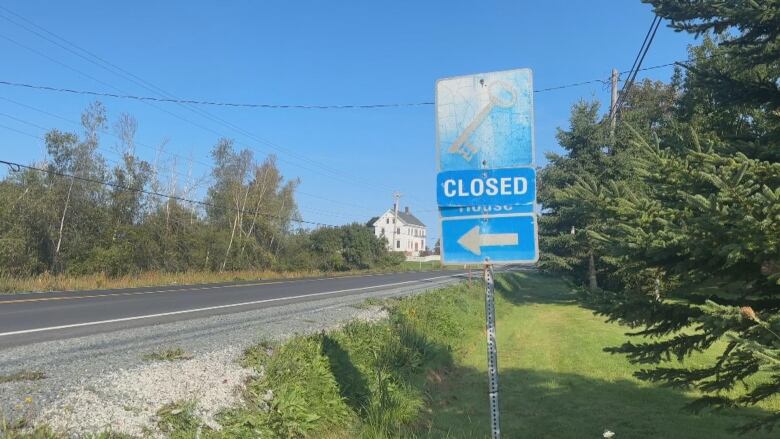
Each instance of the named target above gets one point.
<point>32,317</point>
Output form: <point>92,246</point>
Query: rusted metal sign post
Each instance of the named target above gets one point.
<point>492,351</point>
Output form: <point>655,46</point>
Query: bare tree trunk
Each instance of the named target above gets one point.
<point>236,222</point>
<point>230,244</point>
<point>251,229</point>
<point>592,280</point>
<point>190,187</point>
<point>241,212</point>
<point>254,216</point>
<point>26,190</point>
<point>657,290</point>
<point>271,245</point>
<point>171,193</point>
<point>62,226</point>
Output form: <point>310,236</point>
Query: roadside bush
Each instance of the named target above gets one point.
<point>297,393</point>
<point>391,259</point>
<point>365,379</point>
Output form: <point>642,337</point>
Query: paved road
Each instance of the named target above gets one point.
<point>33,317</point>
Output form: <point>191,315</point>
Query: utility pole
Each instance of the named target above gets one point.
<point>396,200</point>
<point>612,107</point>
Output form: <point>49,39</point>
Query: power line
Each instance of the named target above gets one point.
<point>330,200</point>
<point>112,68</point>
<point>282,106</point>
<point>213,103</point>
<point>114,163</point>
<point>163,173</point>
<point>18,166</point>
<point>24,133</point>
<point>636,66</point>
<point>189,103</point>
<point>107,132</point>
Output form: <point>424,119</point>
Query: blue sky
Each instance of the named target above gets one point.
<point>320,53</point>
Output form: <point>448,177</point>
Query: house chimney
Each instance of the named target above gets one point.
<point>406,209</point>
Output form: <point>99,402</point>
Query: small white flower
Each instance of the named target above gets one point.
<point>608,433</point>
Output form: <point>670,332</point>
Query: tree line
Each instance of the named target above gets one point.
<point>75,214</point>
<point>672,222</point>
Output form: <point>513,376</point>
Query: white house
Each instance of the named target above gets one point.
<point>409,234</point>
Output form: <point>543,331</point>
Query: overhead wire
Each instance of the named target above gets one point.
<point>636,66</point>
<point>164,173</point>
<point>88,76</point>
<point>195,102</point>
<point>144,84</point>
<point>18,166</point>
<point>189,186</point>
<point>106,65</point>
<point>107,132</point>
<point>187,103</point>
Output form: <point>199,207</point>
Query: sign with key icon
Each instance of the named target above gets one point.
<point>485,118</point>
<point>486,186</point>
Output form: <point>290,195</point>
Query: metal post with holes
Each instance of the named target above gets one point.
<point>492,352</point>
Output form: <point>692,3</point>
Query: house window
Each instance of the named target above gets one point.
<point>387,220</point>
<point>398,244</point>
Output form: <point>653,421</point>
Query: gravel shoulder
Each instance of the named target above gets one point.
<point>100,382</point>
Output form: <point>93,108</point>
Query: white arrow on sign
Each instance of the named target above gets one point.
<point>473,241</point>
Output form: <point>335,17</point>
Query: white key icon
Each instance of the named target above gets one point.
<point>497,93</point>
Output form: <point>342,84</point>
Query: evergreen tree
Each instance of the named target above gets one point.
<point>563,223</point>
<point>693,233</point>
<point>594,157</point>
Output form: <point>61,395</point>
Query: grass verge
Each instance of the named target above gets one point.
<point>422,373</point>
<point>25,375</point>
<point>171,354</point>
<point>49,282</point>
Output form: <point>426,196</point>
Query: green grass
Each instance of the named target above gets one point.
<point>179,420</point>
<point>422,373</point>
<point>557,382</point>
<point>171,354</point>
<point>67,282</point>
<point>371,302</point>
<point>424,266</point>
<point>25,375</point>
<point>432,266</point>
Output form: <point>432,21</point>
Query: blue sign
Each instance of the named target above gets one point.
<point>452,212</point>
<point>489,187</point>
<point>500,239</point>
<point>486,186</point>
<point>485,121</point>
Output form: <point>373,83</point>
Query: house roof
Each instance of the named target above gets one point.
<point>405,217</point>
<point>408,218</point>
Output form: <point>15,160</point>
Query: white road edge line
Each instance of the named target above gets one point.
<point>210,308</point>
